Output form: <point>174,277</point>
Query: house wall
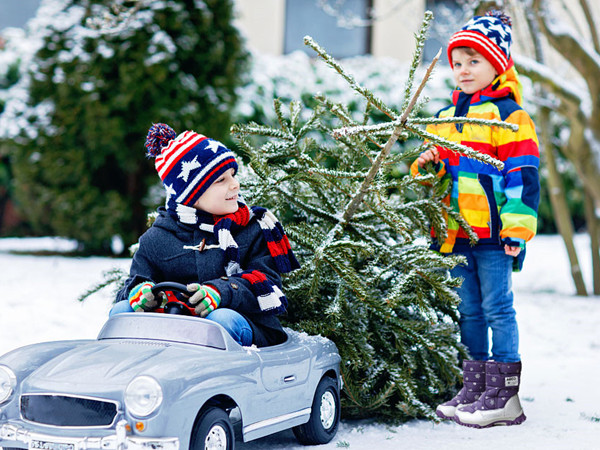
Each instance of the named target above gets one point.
<point>262,23</point>
<point>393,33</point>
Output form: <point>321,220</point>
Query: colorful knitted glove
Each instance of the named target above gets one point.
<point>141,297</point>
<point>205,298</point>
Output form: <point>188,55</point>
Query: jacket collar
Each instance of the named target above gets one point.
<point>505,85</point>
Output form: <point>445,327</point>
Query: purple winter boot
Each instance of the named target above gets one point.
<point>473,387</point>
<point>499,404</point>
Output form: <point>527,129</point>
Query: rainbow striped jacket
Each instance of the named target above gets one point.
<point>500,206</point>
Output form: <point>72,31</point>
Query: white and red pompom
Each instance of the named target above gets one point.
<point>159,136</point>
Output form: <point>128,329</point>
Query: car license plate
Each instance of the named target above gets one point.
<point>50,445</point>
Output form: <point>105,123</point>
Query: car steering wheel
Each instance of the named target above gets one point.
<point>174,305</point>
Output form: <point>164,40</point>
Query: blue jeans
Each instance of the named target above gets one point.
<point>487,302</point>
<point>235,324</point>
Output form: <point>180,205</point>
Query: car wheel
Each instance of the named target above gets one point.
<point>324,417</point>
<point>213,431</point>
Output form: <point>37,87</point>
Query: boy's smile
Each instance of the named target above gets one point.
<point>472,72</point>
<point>222,196</point>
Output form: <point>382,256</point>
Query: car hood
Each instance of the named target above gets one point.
<point>114,363</point>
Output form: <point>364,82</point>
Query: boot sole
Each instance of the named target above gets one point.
<point>519,420</point>
<point>441,415</point>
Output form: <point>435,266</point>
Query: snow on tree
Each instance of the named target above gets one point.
<point>368,279</point>
<point>76,122</point>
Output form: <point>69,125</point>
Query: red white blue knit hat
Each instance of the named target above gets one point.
<point>187,164</point>
<point>490,35</point>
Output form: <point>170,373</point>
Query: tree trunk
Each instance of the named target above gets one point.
<point>483,6</point>
<point>3,202</point>
<point>559,203</point>
<point>556,191</point>
<point>585,127</point>
<point>589,18</point>
<point>135,191</point>
<point>593,226</point>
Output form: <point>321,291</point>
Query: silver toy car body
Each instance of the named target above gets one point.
<point>157,381</point>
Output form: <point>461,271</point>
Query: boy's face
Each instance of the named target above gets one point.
<point>222,196</point>
<point>472,72</point>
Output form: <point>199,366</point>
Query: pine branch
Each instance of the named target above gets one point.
<point>277,104</point>
<point>468,151</point>
<point>314,210</point>
<point>420,38</point>
<point>375,101</point>
<point>335,174</point>
<point>260,130</point>
<point>352,207</point>
<point>111,277</point>
<point>469,121</point>
<point>387,126</point>
<point>339,110</point>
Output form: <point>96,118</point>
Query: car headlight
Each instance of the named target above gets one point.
<point>8,382</point>
<point>143,396</point>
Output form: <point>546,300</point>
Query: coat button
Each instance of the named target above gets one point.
<point>234,286</point>
<point>224,278</point>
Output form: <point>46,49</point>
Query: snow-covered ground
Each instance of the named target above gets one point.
<point>560,347</point>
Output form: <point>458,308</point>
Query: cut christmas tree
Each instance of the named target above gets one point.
<point>359,225</point>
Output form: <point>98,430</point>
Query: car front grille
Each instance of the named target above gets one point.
<point>67,411</point>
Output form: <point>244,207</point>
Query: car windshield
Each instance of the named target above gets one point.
<point>164,327</point>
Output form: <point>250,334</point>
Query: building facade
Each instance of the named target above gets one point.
<point>277,27</point>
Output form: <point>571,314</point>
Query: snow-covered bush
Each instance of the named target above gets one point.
<point>298,77</point>
<point>76,120</point>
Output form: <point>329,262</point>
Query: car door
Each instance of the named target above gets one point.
<point>284,374</point>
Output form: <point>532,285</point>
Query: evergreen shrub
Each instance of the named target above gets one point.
<point>78,158</point>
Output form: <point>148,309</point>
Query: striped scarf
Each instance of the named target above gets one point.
<point>270,298</point>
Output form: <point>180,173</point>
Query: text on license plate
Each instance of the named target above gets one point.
<point>47,445</point>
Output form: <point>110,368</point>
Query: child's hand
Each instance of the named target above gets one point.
<point>431,155</point>
<point>141,297</point>
<point>512,251</point>
<point>205,298</point>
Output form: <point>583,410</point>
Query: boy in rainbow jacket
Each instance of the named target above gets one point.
<point>499,205</point>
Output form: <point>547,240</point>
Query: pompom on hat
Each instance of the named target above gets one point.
<point>490,35</point>
<point>187,163</point>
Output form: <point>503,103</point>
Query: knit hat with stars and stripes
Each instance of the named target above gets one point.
<point>187,164</point>
<point>490,35</point>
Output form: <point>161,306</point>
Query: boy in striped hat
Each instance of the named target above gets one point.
<point>230,256</point>
<point>501,208</point>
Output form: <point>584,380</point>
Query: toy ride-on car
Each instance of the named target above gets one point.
<point>166,381</point>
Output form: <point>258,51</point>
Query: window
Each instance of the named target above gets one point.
<point>16,14</point>
<point>447,19</point>
<point>308,17</point>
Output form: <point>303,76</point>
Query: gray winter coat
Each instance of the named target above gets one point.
<point>162,257</point>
